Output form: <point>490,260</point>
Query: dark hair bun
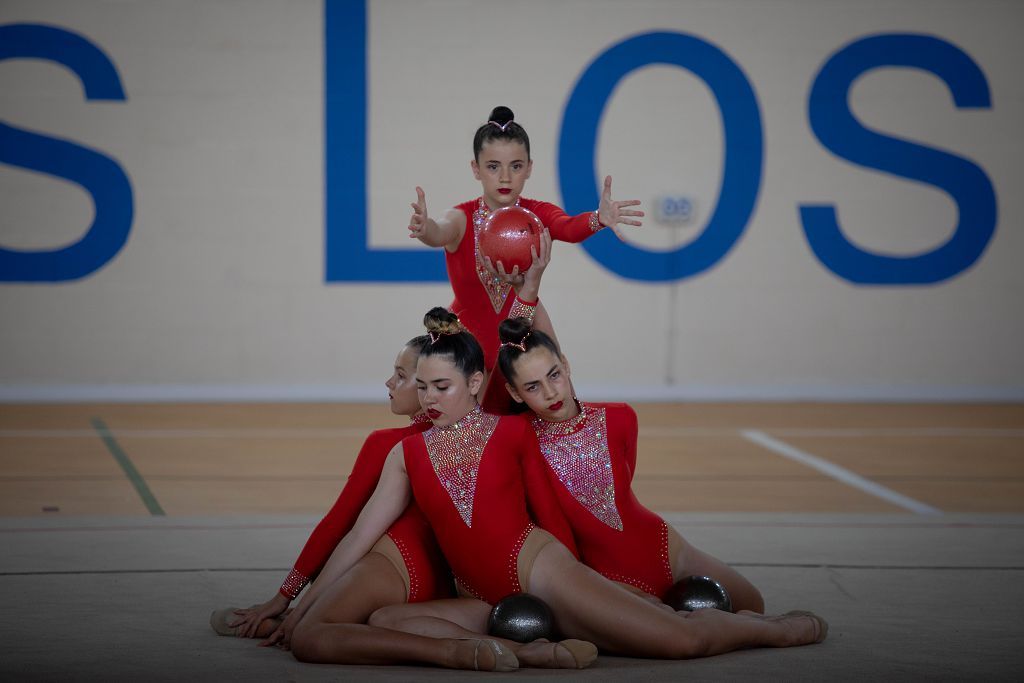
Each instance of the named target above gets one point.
<point>501,115</point>
<point>512,330</point>
<point>442,321</point>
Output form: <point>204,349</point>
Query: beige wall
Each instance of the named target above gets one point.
<point>220,292</point>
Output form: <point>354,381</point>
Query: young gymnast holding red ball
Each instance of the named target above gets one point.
<point>483,297</point>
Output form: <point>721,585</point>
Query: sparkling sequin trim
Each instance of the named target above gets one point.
<point>461,583</point>
<point>632,581</point>
<point>554,430</point>
<point>294,584</point>
<point>577,451</point>
<point>410,568</point>
<point>455,453</point>
<point>522,310</point>
<point>419,418</point>
<point>513,558</point>
<point>666,561</point>
<point>594,222</point>
<point>497,291</point>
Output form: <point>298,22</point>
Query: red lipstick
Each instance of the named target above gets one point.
<point>555,407</point>
<point>433,414</point>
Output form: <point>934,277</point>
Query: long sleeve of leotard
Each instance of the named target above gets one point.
<point>564,227</point>
<point>541,500</point>
<point>342,515</point>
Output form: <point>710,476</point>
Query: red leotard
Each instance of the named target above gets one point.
<point>429,577</point>
<point>474,481</point>
<point>591,460</point>
<point>480,302</point>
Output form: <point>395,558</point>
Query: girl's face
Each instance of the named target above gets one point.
<point>502,168</point>
<point>402,383</point>
<point>445,394</point>
<point>542,382</point>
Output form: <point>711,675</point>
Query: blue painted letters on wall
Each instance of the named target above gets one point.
<point>97,173</point>
<point>741,173</point>
<point>838,130</point>
<point>347,254</point>
<point>349,258</point>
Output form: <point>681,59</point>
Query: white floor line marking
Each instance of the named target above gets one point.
<point>839,473</point>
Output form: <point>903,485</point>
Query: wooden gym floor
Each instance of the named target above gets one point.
<point>226,459</point>
<point>123,526</point>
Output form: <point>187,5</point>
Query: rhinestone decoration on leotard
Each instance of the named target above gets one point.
<point>521,310</point>
<point>632,581</point>
<point>410,567</point>
<point>666,567</point>
<point>577,450</point>
<point>496,290</point>
<point>462,586</point>
<point>419,418</point>
<point>666,561</point>
<point>513,558</point>
<point>455,452</point>
<point>293,584</point>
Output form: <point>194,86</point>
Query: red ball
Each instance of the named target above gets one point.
<point>508,235</point>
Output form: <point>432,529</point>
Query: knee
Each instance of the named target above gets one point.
<point>757,601</point>
<point>385,617</point>
<point>303,644</point>
<point>750,599</point>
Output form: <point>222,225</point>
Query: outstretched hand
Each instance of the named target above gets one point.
<point>612,213</point>
<point>418,220</point>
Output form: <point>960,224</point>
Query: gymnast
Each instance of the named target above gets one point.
<point>315,634</point>
<point>470,474</point>
<point>403,565</point>
<point>501,162</point>
<point>591,452</point>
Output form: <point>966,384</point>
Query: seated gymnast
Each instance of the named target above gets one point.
<point>471,474</point>
<point>591,450</point>
<point>403,565</point>
<point>330,622</point>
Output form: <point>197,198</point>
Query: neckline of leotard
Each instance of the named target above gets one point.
<point>565,427</point>
<point>463,422</point>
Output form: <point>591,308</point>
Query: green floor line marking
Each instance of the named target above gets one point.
<point>129,469</point>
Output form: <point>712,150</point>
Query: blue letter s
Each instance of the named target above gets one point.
<point>841,133</point>
<point>100,175</point>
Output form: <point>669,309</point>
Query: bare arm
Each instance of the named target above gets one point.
<point>444,232</point>
<point>388,501</point>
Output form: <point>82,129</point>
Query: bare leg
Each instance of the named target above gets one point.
<point>334,629</point>
<point>467,618</point>
<point>591,608</point>
<point>688,560</point>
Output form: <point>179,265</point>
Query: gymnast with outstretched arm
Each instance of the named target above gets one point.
<point>483,298</point>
